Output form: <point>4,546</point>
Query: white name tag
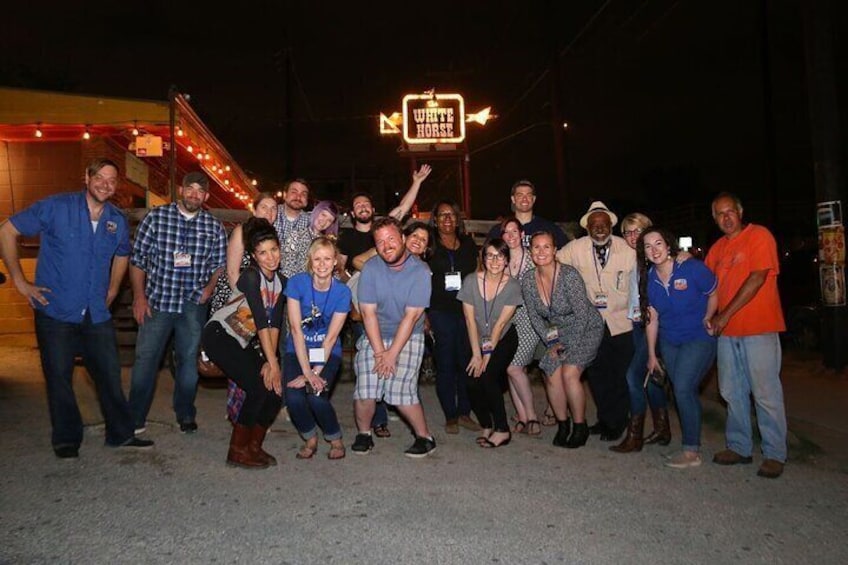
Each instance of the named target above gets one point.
<point>182,259</point>
<point>316,355</point>
<point>453,281</point>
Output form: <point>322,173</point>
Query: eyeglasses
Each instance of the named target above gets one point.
<point>637,231</point>
<point>494,257</point>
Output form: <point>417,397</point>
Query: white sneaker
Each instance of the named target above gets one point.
<point>141,430</point>
<point>684,460</point>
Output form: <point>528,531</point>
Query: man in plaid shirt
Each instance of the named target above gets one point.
<point>290,214</point>
<point>178,254</point>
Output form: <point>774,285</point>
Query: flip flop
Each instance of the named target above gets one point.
<point>520,427</point>
<point>336,452</point>
<point>306,452</point>
<point>382,431</point>
<point>534,428</point>
<point>548,419</point>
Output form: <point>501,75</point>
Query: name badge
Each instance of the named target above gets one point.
<point>111,227</point>
<point>680,284</point>
<point>182,259</point>
<point>316,355</point>
<point>453,281</point>
<point>636,314</point>
<point>600,300</point>
<point>486,345</point>
<point>551,336</point>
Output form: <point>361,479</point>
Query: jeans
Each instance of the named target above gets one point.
<point>153,335</point>
<point>751,365</point>
<point>58,344</point>
<point>636,378</point>
<point>687,364</point>
<point>381,413</point>
<point>260,405</point>
<point>307,409</point>
<point>451,349</point>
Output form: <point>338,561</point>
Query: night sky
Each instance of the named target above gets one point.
<point>664,98</point>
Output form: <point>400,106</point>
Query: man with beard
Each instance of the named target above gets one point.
<point>82,260</point>
<point>605,262</point>
<point>290,214</point>
<point>357,240</point>
<point>178,254</point>
<point>393,293</point>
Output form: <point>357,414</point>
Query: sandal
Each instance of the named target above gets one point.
<point>336,452</point>
<point>382,431</point>
<point>534,428</point>
<point>548,419</point>
<point>307,451</point>
<point>519,427</point>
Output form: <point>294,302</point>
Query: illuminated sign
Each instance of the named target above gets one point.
<point>433,118</point>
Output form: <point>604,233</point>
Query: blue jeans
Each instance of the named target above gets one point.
<point>751,365</point>
<point>687,364</point>
<point>153,335</point>
<point>451,349</point>
<point>381,413</point>
<point>636,378</point>
<point>58,344</point>
<point>307,409</point>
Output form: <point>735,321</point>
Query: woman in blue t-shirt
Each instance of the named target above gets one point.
<point>317,306</point>
<point>676,300</point>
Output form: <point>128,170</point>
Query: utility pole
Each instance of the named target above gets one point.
<point>827,167</point>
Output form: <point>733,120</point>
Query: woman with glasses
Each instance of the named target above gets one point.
<point>454,258</point>
<point>632,226</point>
<point>317,306</point>
<point>520,389</point>
<point>489,298</point>
<point>570,328</point>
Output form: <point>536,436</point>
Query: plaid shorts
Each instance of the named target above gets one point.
<point>399,390</point>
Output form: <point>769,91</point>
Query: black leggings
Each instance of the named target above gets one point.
<point>242,366</point>
<point>486,393</point>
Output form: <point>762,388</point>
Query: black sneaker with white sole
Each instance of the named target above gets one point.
<point>422,447</point>
<point>363,444</point>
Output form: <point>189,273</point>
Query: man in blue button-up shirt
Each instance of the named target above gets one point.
<point>82,259</point>
<point>178,254</point>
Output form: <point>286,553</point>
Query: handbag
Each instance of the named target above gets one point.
<point>207,368</point>
<point>658,376</point>
<point>237,319</point>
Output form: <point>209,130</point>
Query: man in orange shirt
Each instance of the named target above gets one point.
<point>748,321</point>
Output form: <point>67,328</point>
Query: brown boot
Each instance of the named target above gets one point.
<point>239,453</point>
<point>257,437</point>
<point>662,431</point>
<point>633,440</point>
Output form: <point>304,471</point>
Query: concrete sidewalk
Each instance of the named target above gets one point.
<point>528,502</point>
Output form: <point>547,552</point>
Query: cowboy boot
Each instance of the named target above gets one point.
<point>633,440</point>
<point>564,429</point>
<point>662,430</point>
<point>239,454</point>
<point>257,437</point>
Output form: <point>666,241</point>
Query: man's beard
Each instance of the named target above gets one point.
<point>358,220</point>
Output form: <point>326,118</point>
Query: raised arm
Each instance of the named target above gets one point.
<point>408,199</point>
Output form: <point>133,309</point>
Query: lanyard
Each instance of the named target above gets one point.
<point>450,258</point>
<point>320,312</point>
<point>267,293</point>
<point>520,266</point>
<point>486,311</point>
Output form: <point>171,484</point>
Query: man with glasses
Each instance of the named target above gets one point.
<point>178,254</point>
<point>82,260</point>
<point>523,198</point>
<point>606,262</point>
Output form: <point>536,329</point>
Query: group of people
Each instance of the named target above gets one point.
<point>623,313</point>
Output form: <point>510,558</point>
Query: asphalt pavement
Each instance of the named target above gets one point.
<point>528,502</point>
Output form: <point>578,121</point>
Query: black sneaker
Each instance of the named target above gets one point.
<point>422,447</point>
<point>137,443</point>
<point>363,444</point>
<point>188,427</point>
<point>66,451</point>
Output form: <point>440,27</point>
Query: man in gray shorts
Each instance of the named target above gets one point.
<point>393,293</point>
